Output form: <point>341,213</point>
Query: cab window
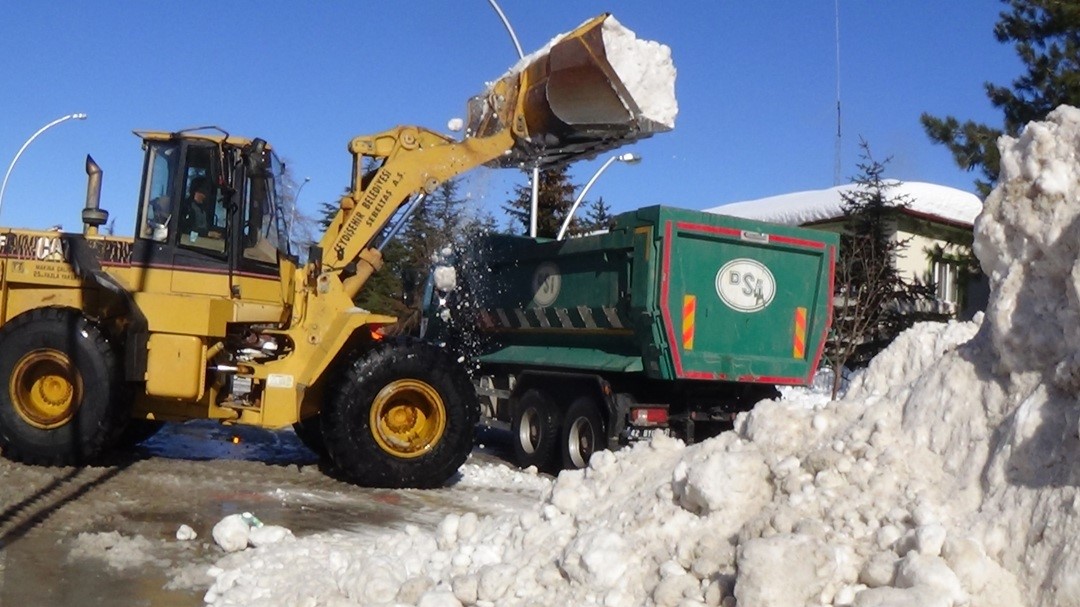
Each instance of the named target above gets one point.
<point>265,233</point>
<point>202,215</point>
<point>156,207</point>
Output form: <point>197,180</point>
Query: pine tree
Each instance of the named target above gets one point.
<point>554,199</point>
<point>599,216</point>
<point>873,303</point>
<point>1046,34</point>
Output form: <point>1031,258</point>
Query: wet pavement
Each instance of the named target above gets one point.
<point>107,535</point>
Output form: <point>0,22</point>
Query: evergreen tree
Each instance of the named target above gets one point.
<point>873,303</point>
<point>599,216</point>
<point>443,219</point>
<point>554,199</point>
<point>1046,34</point>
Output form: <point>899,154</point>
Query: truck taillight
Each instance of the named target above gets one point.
<point>648,416</point>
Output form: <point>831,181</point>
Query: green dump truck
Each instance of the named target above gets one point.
<point>672,321</point>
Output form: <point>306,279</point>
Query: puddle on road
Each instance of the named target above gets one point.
<point>192,474</point>
<point>37,570</point>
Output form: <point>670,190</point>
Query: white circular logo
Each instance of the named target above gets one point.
<point>745,285</point>
<point>546,283</point>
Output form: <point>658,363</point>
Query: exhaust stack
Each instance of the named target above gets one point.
<point>93,216</point>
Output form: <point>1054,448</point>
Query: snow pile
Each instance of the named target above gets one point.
<point>946,477</point>
<point>646,69</point>
<point>644,66</point>
<point>119,551</point>
<point>501,477</point>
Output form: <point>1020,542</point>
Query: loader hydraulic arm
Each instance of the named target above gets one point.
<point>593,89</point>
<point>411,160</point>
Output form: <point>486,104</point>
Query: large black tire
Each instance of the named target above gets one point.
<point>309,431</point>
<point>535,428</point>
<point>582,432</point>
<point>403,415</point>
<point>64,402</point>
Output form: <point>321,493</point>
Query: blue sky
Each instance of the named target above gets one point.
<point>756,88</point>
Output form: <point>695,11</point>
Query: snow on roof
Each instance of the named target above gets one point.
<point>800,208</point>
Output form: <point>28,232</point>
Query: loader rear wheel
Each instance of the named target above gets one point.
<point>535,430</point>
<point>404,415</point>
<point>63,401</point>
<point>582,433</point>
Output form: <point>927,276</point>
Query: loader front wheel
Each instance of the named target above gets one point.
<point>404,415</point>
<point>61,402</point>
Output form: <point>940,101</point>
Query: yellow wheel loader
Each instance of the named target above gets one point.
<point>206,313</point>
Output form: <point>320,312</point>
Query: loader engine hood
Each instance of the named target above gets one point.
<point>586,92</point>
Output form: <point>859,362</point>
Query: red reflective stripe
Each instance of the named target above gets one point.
<point>689,307</point>
<point>799,350</point>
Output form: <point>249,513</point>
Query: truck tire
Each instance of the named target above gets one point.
<point>582,432</point>
<point>404,415</point>
<point>65,402</point>
<point>535,429</point>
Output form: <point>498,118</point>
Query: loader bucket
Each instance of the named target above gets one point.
<point>588,91</point>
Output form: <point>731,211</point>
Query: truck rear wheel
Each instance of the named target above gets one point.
<point>582,432</point>
<point>63,404</point>
<point>404,416</point>
<point>535,430</point>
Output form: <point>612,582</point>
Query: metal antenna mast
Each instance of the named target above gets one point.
<point>836,161</point>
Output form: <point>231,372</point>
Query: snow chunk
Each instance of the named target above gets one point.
<point>185,533</point>
<point>730,481</point>
<point>231,533</point>
<point>783,570</point>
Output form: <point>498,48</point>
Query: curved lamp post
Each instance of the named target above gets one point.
<point>3,187</point>
<point>295,209</point>
<point>536,170</point>
<point>628,158</point>
<point>296,197</point>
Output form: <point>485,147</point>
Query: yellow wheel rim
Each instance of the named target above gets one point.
<point>45,389</point>
<point>408,418</point>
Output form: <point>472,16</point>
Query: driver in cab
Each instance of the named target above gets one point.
<point>198,218</point>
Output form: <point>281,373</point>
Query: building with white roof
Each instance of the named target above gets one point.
<point>937,223</point>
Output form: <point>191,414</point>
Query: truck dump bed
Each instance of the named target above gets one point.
<point>669,293</point>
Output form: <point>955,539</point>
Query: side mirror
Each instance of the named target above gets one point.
<point>257,158</point>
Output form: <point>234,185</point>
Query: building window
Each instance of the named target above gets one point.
<point>945,274</point>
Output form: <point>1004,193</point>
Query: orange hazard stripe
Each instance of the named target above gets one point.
<point>689,307</point>
<point>799,349</point>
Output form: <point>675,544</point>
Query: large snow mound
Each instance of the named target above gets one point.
<point>947,476</point>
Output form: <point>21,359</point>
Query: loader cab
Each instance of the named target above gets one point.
<point>209,210</point>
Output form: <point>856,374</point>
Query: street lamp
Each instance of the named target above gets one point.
<point>295,209</point>
<point>3,187</point>
<point>296,197</point>
<point>536,170</point>
<point>628,158</point>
